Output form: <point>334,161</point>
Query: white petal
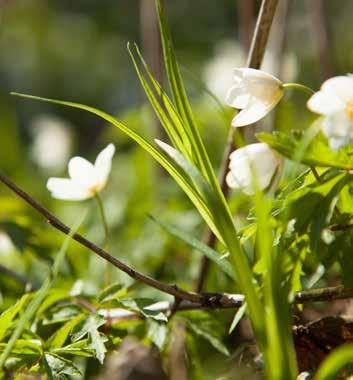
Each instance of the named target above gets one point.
<point>231,182</point>
<point>255,76</point>
<point>64,188</point>
<point>251,84</point>
<point>237,97</point>
<point>258,159</point>
<point>325,103</point>
<point>338,125</point>
<point>103,163</point>
<point>83,173</point>
<point>253,113</point>
<point>341,86</point>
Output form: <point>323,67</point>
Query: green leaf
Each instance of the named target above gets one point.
<point>338,359</point>
<point>90,326</point>
<point>39,296</point>
<point>59,338</point>
<point>144,307</point>
<point>111,292</point>
<point>209,337</point>
<point>213,255</point>
<point>237,317</point>
<point>24,347</point>
<point>314,152</point>
<point>310,203</point>
<point>59,368</point>
<point>7,317</point>
<point>82,348</point>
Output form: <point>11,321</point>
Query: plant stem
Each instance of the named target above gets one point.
<point>190,299</point>
<point>255,56</point>
<point>106,237</point>
<point>300,87</point>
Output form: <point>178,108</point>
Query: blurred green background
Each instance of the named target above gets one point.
<point>76,50</point>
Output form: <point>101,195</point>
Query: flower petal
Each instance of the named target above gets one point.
<point>231,182</point>
<point>237,97</point>
<point>341,86</point>
<point>253,113</point>
<point>254,159</point>
<point>325,103</point>
<point>103,163</point>
<point>64,188</point>
<point>254,75</point>
<point>83,173</point>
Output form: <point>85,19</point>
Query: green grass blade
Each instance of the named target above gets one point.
<point>331,366</point>
<point>202,160</point>
<point>40,295</point>
<point>181,178</point>
<point>169,117</point>
<point>275,295</point>
<point>213,255</point>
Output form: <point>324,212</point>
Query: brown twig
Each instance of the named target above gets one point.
<point>173,290</point>
<point>256,54</point>
<point>190,300</point>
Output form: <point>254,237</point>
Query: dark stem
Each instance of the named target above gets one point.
<point>256,54</point>
<point>189,300</point>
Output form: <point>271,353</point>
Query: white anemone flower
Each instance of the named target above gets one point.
<point>257,160</point>
<point>335,102</point>
<point>86,180</point>
<point>255,93</point>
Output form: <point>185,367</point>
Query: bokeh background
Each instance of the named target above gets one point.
<point>76,50</point>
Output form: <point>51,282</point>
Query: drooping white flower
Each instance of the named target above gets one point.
<point>255,93</point>
<point>335,102</point>
<point>86,180</point>
<point>257,160</point>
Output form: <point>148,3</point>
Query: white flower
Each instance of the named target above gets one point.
<point>335,102</point>
<point>86,180</point>
<point>253,160</point>
<point>255,93</point>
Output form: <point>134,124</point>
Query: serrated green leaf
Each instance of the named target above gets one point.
<point>316,153</point>
<point>89,327</point>
<point>59,368</point>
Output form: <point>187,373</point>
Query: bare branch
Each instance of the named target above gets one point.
<point>189,300</point>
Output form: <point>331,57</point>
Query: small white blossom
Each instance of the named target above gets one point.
<point>86,180</point>
<point>335,102</point>
<point>255,93</point>
<point>253,160</point>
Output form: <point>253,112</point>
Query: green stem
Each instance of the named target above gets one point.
<point>300,87</point>
<point>106,237</point>
<point>104,219</point>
